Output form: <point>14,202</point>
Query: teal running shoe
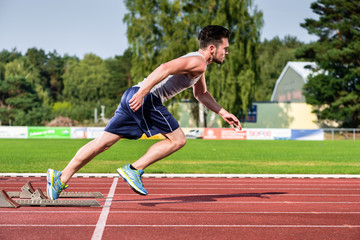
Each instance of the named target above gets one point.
<point>133,178</point>
<point>54,185</point>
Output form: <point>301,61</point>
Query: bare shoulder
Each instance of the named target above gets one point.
<point>197,61</point>
<point>196,65</point>
<point>192,65</point>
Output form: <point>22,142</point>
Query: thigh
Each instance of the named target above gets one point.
<point>107,139</point>
<point>156,117</point>
<point>176,135</point>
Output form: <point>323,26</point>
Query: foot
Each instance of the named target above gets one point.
<point>54,185</point>
<point>133,178</point>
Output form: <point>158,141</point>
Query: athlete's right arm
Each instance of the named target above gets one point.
<point>194,65</point>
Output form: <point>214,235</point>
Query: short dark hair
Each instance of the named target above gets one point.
<point>212,34</point>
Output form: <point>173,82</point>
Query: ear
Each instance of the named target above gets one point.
<point>212,48</point>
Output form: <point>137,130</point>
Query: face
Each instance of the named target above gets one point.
<point>221,51</point>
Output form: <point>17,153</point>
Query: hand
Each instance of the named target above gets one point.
<point>136,102</point>
<point>232,120</point>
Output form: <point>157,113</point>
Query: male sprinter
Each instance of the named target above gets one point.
<point>141,111</point>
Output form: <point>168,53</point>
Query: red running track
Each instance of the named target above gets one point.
<point>194,208</point>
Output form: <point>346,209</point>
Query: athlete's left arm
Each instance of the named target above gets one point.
<point>203,96</point>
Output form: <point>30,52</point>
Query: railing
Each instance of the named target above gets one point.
<point>342,133</point>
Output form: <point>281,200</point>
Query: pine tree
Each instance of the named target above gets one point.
<point>335,89</point>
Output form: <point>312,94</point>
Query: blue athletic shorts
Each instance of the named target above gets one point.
<point>152,118</point>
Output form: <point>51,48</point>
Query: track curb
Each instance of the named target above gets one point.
<point>166,175</point>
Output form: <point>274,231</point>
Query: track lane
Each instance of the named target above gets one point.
<point>198,208</point>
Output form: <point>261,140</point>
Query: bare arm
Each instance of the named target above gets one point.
<point>193,66</point>
<point>204,97</point>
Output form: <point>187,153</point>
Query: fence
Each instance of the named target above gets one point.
<point>342,133</point>
<point>207,133</point>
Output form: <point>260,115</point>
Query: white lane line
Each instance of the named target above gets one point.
<point>244,226</point>
<point>232,188</point>
<point>17,184</point>
<point>199,212</point>
<point>247,184</point>
<point>152,183</point>
<point>191,226</point>
<point>100,226</point>
<point>165,175</point>
<point>181,212</point>
<point>218,202</point>
<point>32,212</point>
<point>225,185</point>
<point>215,195</point>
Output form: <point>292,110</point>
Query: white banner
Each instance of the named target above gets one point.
<point>13,132</point>
<point>78,132</point>
<point>94,132</point>
<point>268,133</point>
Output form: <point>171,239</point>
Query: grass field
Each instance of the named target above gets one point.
<point>198,156</point>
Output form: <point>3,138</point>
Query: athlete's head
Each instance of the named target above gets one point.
<point>216,39</point>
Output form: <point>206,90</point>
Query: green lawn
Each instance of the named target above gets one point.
<point>198,156</point>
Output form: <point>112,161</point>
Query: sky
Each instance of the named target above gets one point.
<point>78,27</point>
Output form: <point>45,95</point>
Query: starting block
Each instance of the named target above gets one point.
<point>27,190</point>
<point>31,197</point>
<point>6,201</point>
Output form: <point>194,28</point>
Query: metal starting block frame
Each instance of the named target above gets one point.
<point>31,197</point>
<point>27,190</point>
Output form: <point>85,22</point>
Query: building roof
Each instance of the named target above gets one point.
<point>301,68</point>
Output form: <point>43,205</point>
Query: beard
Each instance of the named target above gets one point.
<point>216,60</point>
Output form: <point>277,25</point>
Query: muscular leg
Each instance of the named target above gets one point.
<point>173,142</point>
<point>87,153</point>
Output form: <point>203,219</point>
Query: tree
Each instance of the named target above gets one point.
<point>88,84</point>
<point>6,57</point>
<point>19,103</point>
<point>120,79</point>
<point>45,73</point>
<point>87,80</point>
<point>39,85</point>
<point>161,30</point>
<point>17,67</point>
<point>335,89</point>
<point>273,57</point>
<point>53,69</point>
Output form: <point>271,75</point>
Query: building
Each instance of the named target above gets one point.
<point>288,87</point>
<point>287,108</point>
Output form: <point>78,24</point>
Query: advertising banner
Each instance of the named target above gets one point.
<point>223,133</point>
<point>205,133</point>
<point>49,132</point>
<point>193,133</point>
<point>94,132</point>
<point>13,132</point>
<point>313,134</point>
<point>248,134</point>
<point>268,133</point>
<point>78,132</point>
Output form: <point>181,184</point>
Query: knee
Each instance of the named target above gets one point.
<point>180,142</point>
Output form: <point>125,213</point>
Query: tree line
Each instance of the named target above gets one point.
<point>38,86</point>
